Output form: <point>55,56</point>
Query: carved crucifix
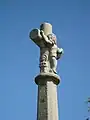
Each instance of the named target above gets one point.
<point>49,51</point>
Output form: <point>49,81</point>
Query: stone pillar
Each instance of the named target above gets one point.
<point>47,104</point>
<point>47,80</point>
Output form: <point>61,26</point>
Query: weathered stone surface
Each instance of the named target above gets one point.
<point>43,77</point>
<point>46,27</point>
<point>47,80</point>
<point>42,113</point>
<point>49,51</point>
<point>47,99</point>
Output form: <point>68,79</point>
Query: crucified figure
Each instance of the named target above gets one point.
<point>54,53</point>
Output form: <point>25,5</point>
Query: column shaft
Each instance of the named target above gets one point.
<point>47,101</point>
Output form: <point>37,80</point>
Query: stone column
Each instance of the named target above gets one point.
<point>47,104</point>
<point>47,80</point>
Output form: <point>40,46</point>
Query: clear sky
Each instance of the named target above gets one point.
<point>19,56</point>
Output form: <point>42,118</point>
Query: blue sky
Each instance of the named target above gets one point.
<point>19,57</point>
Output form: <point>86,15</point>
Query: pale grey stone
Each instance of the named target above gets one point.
<point>47,80</point>
<point>49,51</point>
<point>40,79</point>
<point>47,104</point>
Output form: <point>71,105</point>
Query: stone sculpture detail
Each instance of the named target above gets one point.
<point>49,51</point>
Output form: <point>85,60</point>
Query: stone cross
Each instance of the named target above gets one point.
<point>47,80</point>
<point>49,52</point>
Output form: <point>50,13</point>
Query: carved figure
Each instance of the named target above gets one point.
<point>54,53</point>
<point>44,53</point>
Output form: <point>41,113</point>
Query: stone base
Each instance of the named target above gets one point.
<point>43,77</point>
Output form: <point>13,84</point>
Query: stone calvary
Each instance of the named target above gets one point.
<point>49,51</point>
